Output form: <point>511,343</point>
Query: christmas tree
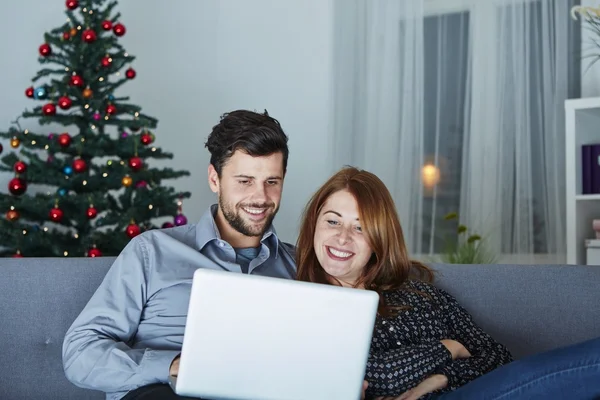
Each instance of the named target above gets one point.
<point>87,188</point>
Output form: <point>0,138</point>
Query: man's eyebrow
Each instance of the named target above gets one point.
<point>252,177</point>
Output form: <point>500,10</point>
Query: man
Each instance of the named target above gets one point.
<point>127,340</point>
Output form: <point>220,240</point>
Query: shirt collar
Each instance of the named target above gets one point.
<point>207,231</point>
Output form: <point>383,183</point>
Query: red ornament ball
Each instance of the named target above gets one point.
<point>79,165</point>
<point>1,148</point>
<point>89,36</point>
<point>65,103</point>
<point>130,73</point>
<point>76,80</point>
<point>106,61</point>
<point>167,225</point>
<point>107,25</point>
<point>66,36</point>
<point>18,254</point>
<point>29,92</point>
<point>12,215</point>
<point>20,167</point>
<point>136,163</point>
<point>45,50</point>
<point>64,139</point>
<point>111,109</point>
<point>56,214</point>
<point>91,212</point>
<point>49,109</point>
<point>132,230</point>
<point>119,29</point>
<point>72,4</point>
<point>17,186</point>
<point>146,139</point>
<point>94,252</point>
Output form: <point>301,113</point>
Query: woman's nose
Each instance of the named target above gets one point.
<point>344,236</point>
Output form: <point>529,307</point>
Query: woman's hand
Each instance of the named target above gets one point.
<point>456,349</point>
<point>431,384</point>
<point>364,390</point>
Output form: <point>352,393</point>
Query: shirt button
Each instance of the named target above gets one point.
<point>221,244</point>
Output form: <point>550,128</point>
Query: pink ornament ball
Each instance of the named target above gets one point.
<point>180,219</point>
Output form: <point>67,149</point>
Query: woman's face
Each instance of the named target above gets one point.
<point>340,245</point>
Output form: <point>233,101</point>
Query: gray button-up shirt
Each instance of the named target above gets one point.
<point>132,328</point>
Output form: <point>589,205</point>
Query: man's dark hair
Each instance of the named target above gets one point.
<point>253,133</point>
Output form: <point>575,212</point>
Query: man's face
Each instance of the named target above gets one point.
<point>249,191</point>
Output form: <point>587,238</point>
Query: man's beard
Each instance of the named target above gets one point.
<point>233,216</point>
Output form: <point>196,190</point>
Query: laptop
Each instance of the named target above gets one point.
<point>249,337</point>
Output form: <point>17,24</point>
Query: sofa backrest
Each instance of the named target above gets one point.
<point>39,299</point>
<point>528,308</point>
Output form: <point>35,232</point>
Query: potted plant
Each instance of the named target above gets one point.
<point>467,247</point>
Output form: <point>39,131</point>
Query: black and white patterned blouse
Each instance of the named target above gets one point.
<point>407,348</point>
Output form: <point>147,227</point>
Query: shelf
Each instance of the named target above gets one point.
<point>587,197</point>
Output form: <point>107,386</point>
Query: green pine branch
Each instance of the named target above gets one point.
<point>50,177</point>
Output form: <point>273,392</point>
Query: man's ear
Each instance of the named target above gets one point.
<point>213,179</point>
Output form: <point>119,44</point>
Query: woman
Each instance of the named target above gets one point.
<point>424,342</point>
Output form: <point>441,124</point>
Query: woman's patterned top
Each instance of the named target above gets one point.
<point>407,348</point>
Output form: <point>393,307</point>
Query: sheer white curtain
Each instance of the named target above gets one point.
<point>378,113</point>
<point>458,106</point>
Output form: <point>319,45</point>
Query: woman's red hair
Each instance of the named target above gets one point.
<point>389,267</point>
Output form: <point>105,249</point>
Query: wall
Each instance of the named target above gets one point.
<point>590,79</point>
<point>195,61</point>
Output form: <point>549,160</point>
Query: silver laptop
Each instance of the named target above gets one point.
<point>259,338</point>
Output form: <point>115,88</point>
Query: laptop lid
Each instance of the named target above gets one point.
<point>261,338</point>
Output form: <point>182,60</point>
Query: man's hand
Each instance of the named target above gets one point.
<point>431,384</point>
<point>174,369</point>
<point>456,349</point>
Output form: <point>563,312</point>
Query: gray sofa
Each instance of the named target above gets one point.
<point>528,308</point>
